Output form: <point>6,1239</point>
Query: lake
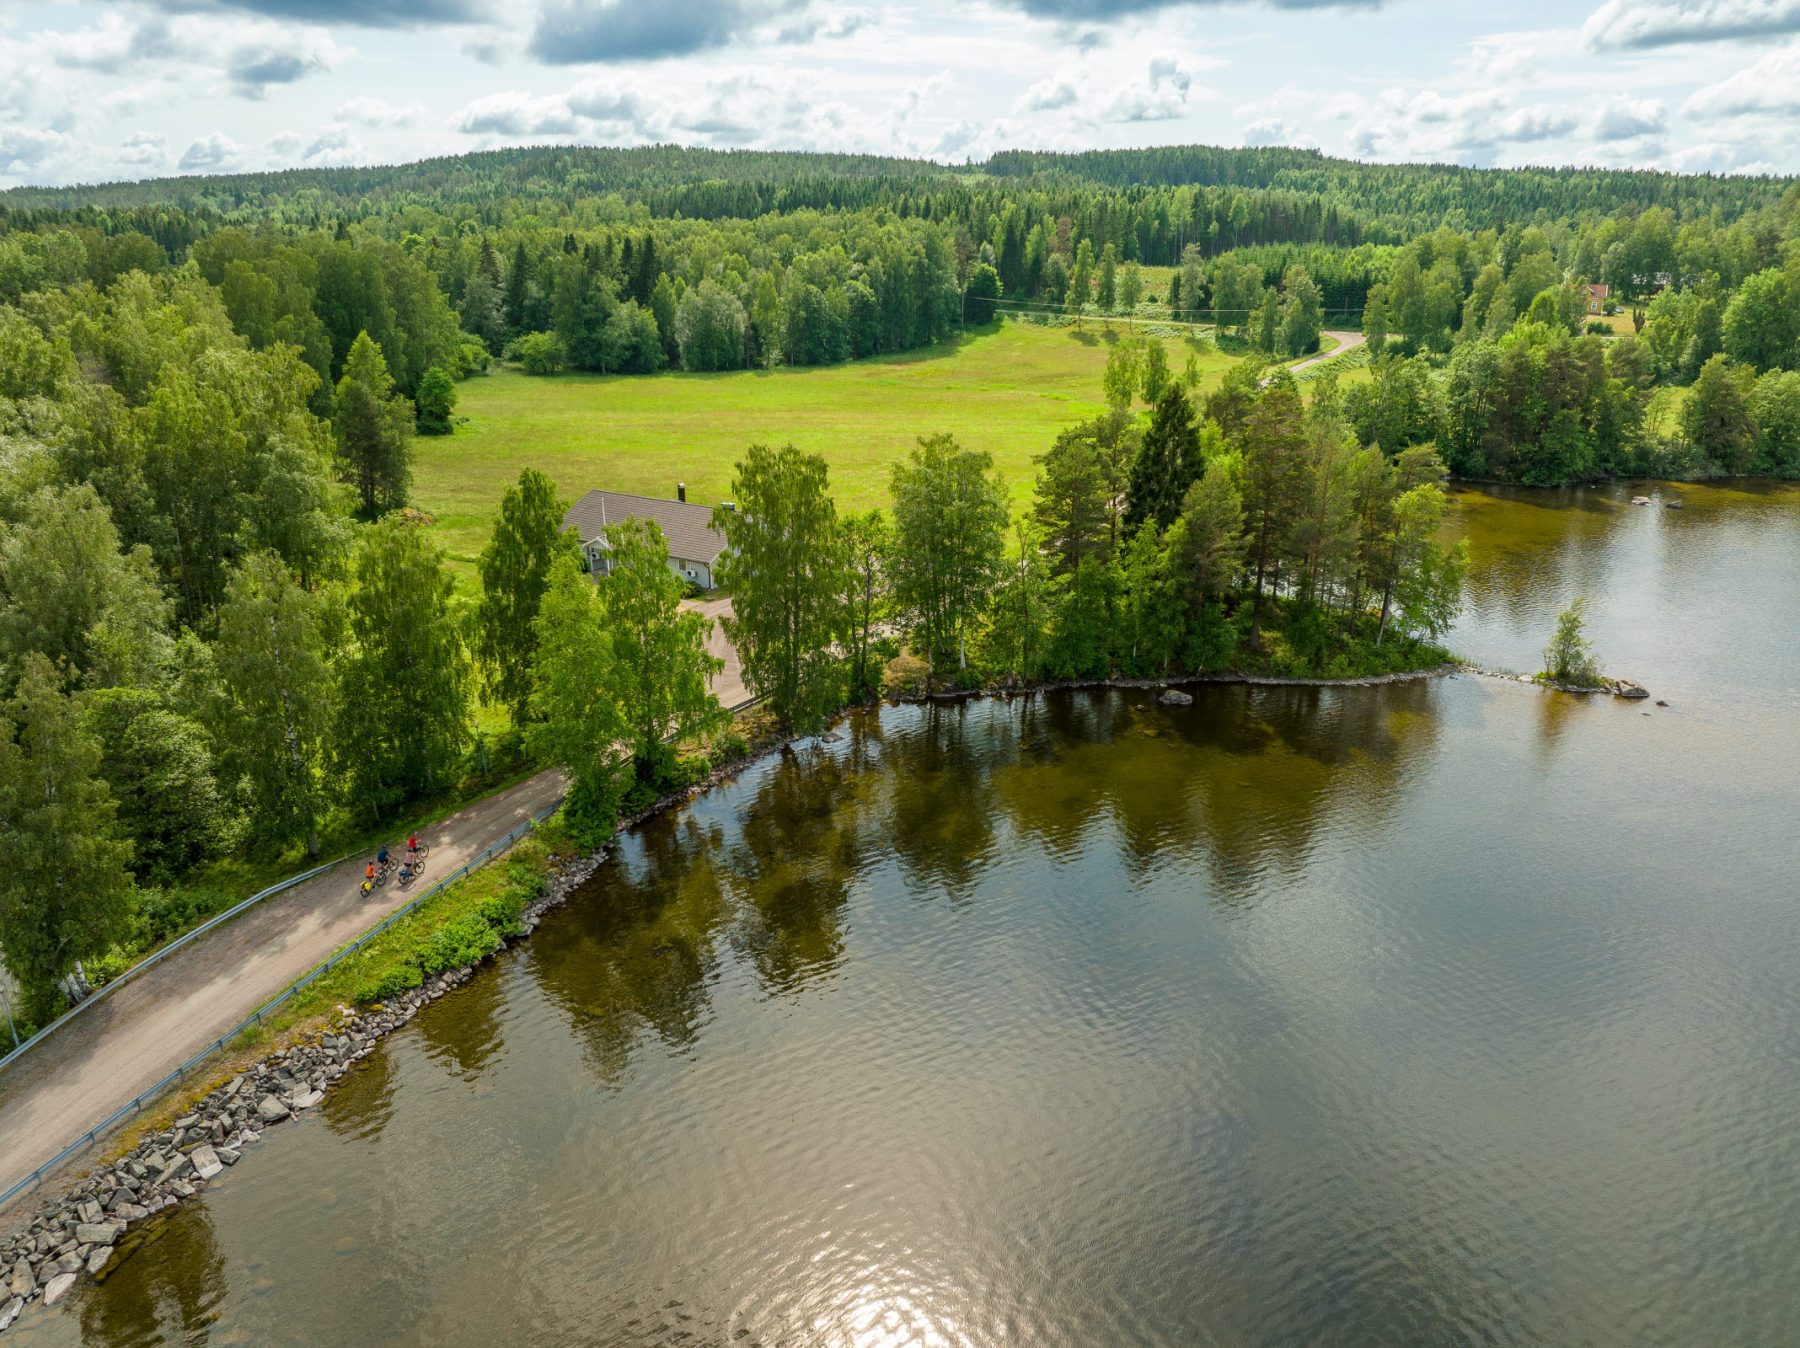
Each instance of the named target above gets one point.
<point>1448,1012</point>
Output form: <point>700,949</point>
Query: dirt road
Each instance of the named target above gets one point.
<point>104,1058</point>
<point>1346,343</point>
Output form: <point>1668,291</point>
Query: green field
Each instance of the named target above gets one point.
<point>1009,391</point>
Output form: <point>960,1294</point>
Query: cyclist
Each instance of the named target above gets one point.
<point>369,872</point>
<point>407,872</point>
<point>412,846</point>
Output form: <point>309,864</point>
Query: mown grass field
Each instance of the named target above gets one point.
<point>1009,391</point>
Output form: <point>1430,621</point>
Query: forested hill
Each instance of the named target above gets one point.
<point>671,179</point>
<point>1420,196</point>
<point>1316,198</point>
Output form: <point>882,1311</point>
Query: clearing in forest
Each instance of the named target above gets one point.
<point>1009,390</point>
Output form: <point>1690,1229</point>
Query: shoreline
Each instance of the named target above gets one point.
<point>100,1216</point>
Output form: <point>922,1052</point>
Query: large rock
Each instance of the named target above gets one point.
<point>1174,697</point>
<point>58,1288</point>
<point>98,1233</point>
<point>97,1260</point>
<point>10,1311</point>
<point>307,1099</point>
<point>271,1110</point>
<point>1626,688</point>
<point>206,1162</point>
<point>24,1282</point>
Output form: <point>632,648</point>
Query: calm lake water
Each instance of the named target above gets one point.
<point>1442,1013</point>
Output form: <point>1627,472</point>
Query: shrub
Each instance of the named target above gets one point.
<point>1569,658</point>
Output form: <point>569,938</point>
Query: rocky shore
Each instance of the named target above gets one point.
<point>86,1230</point>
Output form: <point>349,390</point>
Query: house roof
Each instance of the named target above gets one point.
<point>686,526</point>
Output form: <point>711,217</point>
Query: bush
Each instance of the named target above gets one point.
<point>538,352</point>
<point>1569,658</point>
<point>1597,327</point>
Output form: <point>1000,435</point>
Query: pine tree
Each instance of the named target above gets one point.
<point>1167,464</point>
<point>374,429</point>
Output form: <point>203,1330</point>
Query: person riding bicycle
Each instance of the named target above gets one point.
<point>369,871</point>
<point>407,872</point>
<point>381,857</point>
<point>412,846</point>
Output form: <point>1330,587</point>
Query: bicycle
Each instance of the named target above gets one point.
<point>419,853</point>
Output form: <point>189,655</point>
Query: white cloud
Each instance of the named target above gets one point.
<point>1048,94</point>
<point>515,113</point>
<point>1162,96</point>
<point>1662,23</point>
<point>211,154</point>
<point>23,148</point>
<point>378,112</point>
<point>146,150</point>
<point>1627,118</point>
<point>1770,85</point>
<point>1273,131</point>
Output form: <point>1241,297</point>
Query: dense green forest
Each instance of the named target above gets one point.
<point>224,634</point>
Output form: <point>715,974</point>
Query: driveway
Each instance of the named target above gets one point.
<point>728,683</point>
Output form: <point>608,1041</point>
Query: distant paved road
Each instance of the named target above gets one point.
<point>124,1045</point>
<point>1346,343</point>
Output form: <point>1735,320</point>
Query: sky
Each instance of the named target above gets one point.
<point>145,88</point>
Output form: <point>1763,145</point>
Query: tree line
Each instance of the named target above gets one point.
<point>1248,532</point>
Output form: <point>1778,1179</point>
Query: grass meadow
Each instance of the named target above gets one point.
<point>1009,390</point>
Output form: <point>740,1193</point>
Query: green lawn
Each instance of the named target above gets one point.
<point>1008,390</point>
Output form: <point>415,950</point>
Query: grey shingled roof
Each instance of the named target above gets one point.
<point>687,526</point>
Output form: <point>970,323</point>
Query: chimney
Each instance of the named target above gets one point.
<point>681,491</point>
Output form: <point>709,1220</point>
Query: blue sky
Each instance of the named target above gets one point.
<point>139,88</point>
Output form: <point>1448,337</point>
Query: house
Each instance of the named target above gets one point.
<point>1596,298</point>
<point>694,545</point>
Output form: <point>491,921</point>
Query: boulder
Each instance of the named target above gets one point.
<point>1673,503</point>
<point>58,1288</point>
<point>206,1162</point>
<point>24,1282</point>
<point>130,1212</point>
<point>1640,500</point>
<point>1174,697</point>
<point>271,1110</point>
<point>98,1233</point>
<point>10,1311</point>
<point>307,1099</point>
<point>98,1259</point>
<point>1627,689</point>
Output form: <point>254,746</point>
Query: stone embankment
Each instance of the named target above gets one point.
<point>81,1233</point>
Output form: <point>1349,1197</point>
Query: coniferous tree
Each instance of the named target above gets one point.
<point>437,402</point>
<point>374,429</point>
<point>1168,463</point>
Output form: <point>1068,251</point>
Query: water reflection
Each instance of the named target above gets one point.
<point>639,961</point>
<point>166,1287</point>
<point>361,1104</point>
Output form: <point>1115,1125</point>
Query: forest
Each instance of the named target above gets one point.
<point>226,637</point>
